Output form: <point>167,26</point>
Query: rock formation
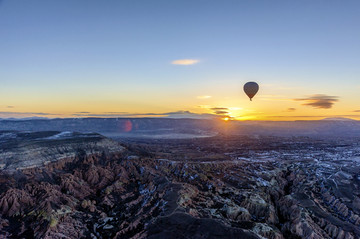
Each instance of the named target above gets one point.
<point>222,187</point>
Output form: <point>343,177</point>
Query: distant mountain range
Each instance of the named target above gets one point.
<point>339,119</point>
<point>168,128</point>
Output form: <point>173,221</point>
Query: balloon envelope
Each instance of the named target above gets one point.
<point>251,88</point>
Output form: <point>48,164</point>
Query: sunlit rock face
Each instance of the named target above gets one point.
<point>71,185</point>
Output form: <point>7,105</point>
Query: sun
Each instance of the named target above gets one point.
<point>226,119</point>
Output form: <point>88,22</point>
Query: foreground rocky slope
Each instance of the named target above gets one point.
<point>222,187</point>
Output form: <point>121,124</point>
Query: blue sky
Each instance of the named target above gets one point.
<point>97,56</point>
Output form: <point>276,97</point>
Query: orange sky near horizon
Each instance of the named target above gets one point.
<point>236,105</point>
<point>185,58</point>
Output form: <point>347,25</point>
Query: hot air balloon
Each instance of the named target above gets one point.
<point>251,88</point>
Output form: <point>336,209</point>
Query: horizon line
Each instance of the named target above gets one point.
<point>182,118</point>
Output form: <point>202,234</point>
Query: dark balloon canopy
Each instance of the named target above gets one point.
<point>251,88</point>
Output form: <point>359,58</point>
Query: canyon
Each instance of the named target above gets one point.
<point>84,185</point>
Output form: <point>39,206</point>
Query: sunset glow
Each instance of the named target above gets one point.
<point>131,62</point>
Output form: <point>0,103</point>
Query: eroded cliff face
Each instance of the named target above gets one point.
<point>108,190</point>
<point>22,150</point>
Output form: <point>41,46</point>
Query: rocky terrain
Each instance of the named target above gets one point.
<point>218,187</point>
<point>20,150</point>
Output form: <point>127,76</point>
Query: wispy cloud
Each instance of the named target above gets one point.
<point>204,97</point>
<point>102,113</point>
<point>320,101</point>
<point>105,114</point>
<point>26,113</point>
<point>185,62</point>
<point>10,106</point>
<point>219,108</point>
<point>9,114</point>
<point>356,110</point>
<point>291,109</point>
<point>121,112</point>
<point>223,111</point>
